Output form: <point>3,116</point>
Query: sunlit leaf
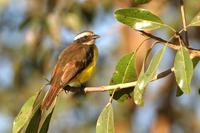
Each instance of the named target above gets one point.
<point>195,21</point>
<point>141,1</point>
<point>145,78</point>
<point>139,19</point>
<point>105,122</point>
<point>183,69</point>
<point>125,72</point>
<point>24,115</point>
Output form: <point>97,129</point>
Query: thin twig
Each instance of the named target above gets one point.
<point>193,52</point>
<point>170,44</point>
<point>141,45</point>
<point>184,22</point>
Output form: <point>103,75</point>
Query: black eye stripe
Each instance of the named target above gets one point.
<point>85,37</point>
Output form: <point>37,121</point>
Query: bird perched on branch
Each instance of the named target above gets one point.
<point>75,65</point>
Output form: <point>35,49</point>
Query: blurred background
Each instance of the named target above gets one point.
<point>32,34</point>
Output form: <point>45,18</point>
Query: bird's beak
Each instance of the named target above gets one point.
<point>95,36</point>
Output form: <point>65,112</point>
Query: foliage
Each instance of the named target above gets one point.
<point>105,122</point>
<point>183,69</point>
<point>146,77</point>
<point>32,118</point>
<point>141,1</point>
<point>125,72</point>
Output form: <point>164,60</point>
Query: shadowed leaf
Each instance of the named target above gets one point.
<point>45,126</point>
<point>31,118</point>
<point>179,92</point>
<point>34,122</point>
<point>195,61</point>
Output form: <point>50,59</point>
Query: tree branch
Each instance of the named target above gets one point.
<point>100,88</point>
<point>193,52</point>
<point>112,87</point>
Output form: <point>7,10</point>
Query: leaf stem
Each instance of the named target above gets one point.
<point>184,22</point>
<point>111,97</point>
<point>141,45</point>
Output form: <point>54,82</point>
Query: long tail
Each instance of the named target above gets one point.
<point>50,97</point>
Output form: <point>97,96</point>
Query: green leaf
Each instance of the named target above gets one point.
<point>40,121</point>
<point>31,118</point>
<point>195,21</point>
<point>179,92</point>
<point>44,128</point>
<point>33,125</point>
<point>46,118</point>
<point>195,61</point>
<point>145,78</point>
<point>105,122</point>
<point>141,1</point>
<point>139,19</point>
<point>40,96</point>
<point>24,115</point>
<point>125,72</point>
<point>183,69</point>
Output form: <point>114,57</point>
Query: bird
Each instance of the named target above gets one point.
<point>74,66</point>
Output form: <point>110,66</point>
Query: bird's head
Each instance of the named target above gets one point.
<point>86,38</point>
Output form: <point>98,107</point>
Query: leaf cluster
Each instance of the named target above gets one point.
<point>125,84</point>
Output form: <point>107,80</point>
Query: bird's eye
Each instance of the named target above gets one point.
<point>85,37</point>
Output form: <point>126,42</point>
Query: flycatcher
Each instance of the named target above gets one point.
<point>75,65</point>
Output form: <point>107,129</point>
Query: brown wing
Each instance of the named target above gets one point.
<point>71,61</point>
<point>62,59</point>
<point>79,60</point>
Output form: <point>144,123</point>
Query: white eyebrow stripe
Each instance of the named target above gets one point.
<point>82,35</point>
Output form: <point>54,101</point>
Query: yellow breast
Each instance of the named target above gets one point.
<point>87,72</point>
